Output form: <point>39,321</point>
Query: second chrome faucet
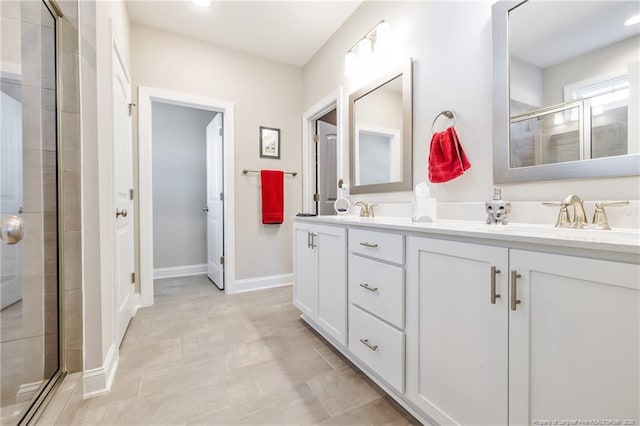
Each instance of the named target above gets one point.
<point>579,220</point>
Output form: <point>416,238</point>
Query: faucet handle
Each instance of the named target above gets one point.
<point>372,212</point>
<point>612,204</point>
<point>600,219</point>
<point>563,221</point>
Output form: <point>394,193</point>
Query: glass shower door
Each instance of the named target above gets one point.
<point>29,339</point>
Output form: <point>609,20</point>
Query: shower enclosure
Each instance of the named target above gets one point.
<point>30,357</point>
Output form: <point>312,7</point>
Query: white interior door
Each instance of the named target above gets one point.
<point>327,168</point>
<point>123,182</point>
<point>214,208</point>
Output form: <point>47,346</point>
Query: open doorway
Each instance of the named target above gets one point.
<point>187,238</point>
<point>322,129</point>
<point>187,171</point>
<point>326,171</point>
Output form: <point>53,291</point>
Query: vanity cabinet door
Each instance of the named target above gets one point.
<point>456,337</point>
<point>574,339</point>
<point>304,270</point>
<point>332,281</point>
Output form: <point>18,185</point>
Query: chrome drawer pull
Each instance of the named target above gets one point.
<point>369,245</point>
<point>494,271</point>
<point>371,289</point>
<point>514,297</point>
<point>369,345</point>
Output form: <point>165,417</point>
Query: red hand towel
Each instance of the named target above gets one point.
<point>447,160</point>
<point>272,196</point>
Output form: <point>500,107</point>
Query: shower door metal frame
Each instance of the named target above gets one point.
<point>38,406</point>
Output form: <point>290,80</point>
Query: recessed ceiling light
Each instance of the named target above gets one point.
<point>632,21</point>
<point>202,3</point>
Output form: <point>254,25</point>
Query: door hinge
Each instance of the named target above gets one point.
<point>131,106</point>
<point>222,260</point>
<point>133,278</point>
<point>316,138</point>
<point>131,194</point>
<point>222,196</point>
<point>220,131</point>
<point>316,197</point>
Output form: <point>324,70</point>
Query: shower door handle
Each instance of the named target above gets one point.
<point>11,229</point>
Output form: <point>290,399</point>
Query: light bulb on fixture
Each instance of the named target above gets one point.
<point>632,21</point>
<point>202,3</point>
<point>350,63</point>
<point>364,49</point>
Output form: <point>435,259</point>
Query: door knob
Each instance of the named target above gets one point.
<point>122,213</point>
<point>11,229</point>
<point>205,209</point>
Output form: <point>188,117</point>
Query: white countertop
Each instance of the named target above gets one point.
<point>625,241</point>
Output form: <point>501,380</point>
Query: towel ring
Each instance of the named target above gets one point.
<point>448,114</point>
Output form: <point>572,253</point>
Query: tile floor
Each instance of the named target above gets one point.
<point>199,357</point>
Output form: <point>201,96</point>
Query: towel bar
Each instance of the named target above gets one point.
<point>245,171</point>
<point>449,114</point>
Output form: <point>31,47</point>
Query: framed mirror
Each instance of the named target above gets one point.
<point>566,92</point>
<point>380,138</point>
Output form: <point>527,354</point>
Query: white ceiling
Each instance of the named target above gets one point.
<point>545,33</point>
<point>285,31</point>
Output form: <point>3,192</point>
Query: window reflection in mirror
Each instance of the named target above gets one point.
<point>573,81</point>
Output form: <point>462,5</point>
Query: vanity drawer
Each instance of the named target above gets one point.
<point>378,345</point>
<point>378,288</point>
<point>381,245</point>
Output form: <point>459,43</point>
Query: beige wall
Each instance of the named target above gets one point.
<point>264,93</point>
<point>451,45</point>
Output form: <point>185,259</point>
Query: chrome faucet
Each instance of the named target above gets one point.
<point>579,215</point>
<point>366,210</point>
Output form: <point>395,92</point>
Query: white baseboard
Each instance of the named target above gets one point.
<point>261,283</point>
<point>97,381</point>
<point>179,271</point>
<point>27,390</point>
<point>137,303</point>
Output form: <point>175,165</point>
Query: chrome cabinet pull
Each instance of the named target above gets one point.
<point>308,239</point>
<point>371,289</point>
<point>122,213</point>
<point>369,345</point>
<point>514,298</point>
<point>370,245</point>
<point>494,271</point>
<point>313,244</point>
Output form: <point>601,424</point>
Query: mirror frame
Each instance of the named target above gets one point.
<point>623,165</point>
<point>404,71</point>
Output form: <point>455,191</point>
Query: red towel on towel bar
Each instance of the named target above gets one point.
<point>447,160</point>
<point>272,196</point>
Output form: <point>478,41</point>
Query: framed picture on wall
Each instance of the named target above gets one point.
<point>269,142</point>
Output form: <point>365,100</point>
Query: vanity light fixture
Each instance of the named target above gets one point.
<point>202,3</point>
<point>372,45</point>
<point>632,21</point>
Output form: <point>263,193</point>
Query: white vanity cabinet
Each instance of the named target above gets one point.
<point>457,331</point>
<point>574,339</point>
<point>480,325</point>
<point>320,276</point>
<point>561,341</point>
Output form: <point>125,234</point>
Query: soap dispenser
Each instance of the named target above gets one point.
<point>497,209</point>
